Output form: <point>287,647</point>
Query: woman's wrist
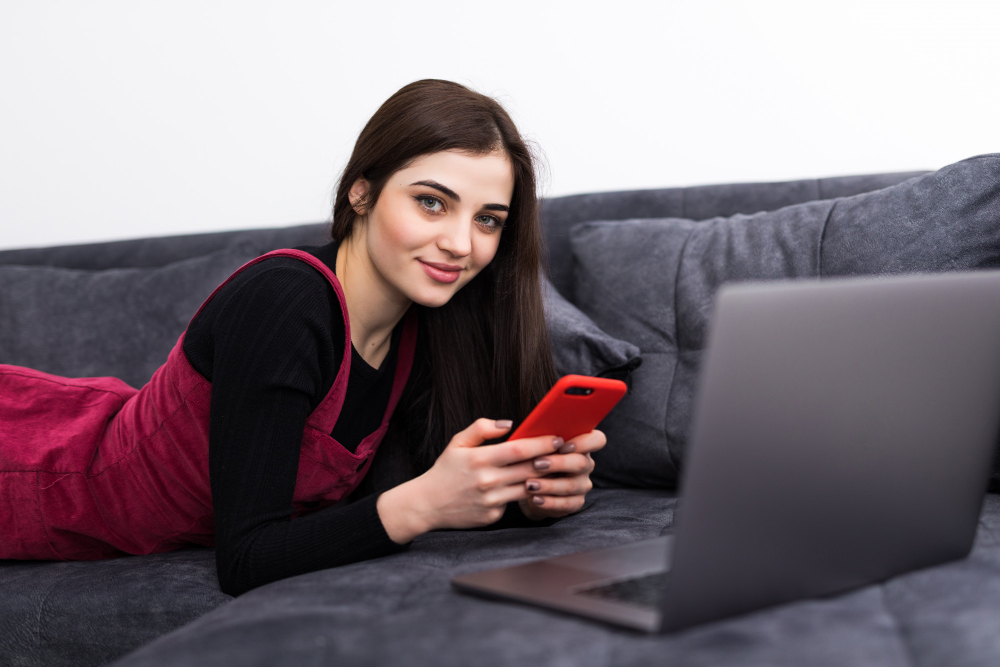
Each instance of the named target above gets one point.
<point>401,511</point>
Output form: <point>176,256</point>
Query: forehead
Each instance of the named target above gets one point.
<point>476,179</point>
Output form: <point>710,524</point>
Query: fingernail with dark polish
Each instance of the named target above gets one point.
<point>538,500</point>
<point>557,443</point>
<point>543,464</point>
<point>534,486</point>
<point>568,448</point>
<point>503,423</point>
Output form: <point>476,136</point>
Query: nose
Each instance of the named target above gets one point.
<point>456,237</point>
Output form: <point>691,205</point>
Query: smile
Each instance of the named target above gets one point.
<point>442,273</point>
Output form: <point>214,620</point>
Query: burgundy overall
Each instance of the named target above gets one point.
<point>92,468</point>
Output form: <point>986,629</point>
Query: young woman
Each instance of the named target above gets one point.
<point>422,317</point>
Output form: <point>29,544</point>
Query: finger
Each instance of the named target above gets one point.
<point>513,474</point>
<point>559,486</point>
<point>516,473</point>
<point>523,449</point>
<point>506,494</point>
<point>557,505</point>
<point>586,443</point>
<point>480,431</point>
<point>570,464</point>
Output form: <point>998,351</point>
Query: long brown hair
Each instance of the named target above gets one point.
<point>486,352</point>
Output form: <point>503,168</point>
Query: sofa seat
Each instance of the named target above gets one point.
<point>91,612</point>
<point>402,610</point>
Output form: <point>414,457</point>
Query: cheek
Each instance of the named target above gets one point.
<point>406,234</point>
<point>485,250</point>
<point>391,236</point>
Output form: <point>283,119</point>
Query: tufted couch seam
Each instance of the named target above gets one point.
<point>822,238</point>
<point>677,340</point>
<point>897,623</point>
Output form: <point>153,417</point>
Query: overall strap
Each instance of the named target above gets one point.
<point>345,365</point>
<point>404,362</point>
<point>295,254</point>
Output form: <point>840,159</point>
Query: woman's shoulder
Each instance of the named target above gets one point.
<point>276,291</point>
<point>280,280</point>
<point>283,295</point>
<point>279,270</point>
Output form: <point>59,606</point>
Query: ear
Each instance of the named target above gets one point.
<point>356,195</point>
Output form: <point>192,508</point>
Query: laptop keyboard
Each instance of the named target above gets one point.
<point>642,591</point>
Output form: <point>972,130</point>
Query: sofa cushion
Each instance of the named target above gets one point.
<point>88,613</point>
<point>946,220</point>
<point>152,252</point>
<point>401,610</point>
<point>560,214</point>
<point>579,346</point>
<point>117,322</point>
<point>661,304</point>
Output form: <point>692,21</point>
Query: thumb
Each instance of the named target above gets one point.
<point>480,431</point>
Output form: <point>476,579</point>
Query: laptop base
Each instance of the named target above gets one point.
<point>559,583</point>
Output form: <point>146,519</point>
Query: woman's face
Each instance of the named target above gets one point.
<point>437,223</point>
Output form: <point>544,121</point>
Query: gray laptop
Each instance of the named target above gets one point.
<point>843,433</point>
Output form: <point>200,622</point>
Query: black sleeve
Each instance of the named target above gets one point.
<point>272,361</point>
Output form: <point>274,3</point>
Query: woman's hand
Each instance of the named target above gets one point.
<point>470,484</point>
<point>563,479</point>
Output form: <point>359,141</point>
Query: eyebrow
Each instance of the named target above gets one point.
<point>454,195</point>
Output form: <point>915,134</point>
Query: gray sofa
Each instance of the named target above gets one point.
<point>637,278</point>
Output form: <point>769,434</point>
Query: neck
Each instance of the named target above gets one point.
<point>373,305</point>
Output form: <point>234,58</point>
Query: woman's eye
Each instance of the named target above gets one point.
<point>490,222</point>
<point>432,204</point>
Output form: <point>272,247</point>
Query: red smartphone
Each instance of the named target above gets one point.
<point>576,404</point>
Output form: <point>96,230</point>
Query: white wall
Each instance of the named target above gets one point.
<point>125,119</point>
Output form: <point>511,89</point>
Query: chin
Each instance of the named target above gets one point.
<point>432,298</point>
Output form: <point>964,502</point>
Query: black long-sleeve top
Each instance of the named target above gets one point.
<point>271,343</point>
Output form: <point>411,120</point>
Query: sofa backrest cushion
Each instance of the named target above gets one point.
<point>579,346</point>
<point>152,252</point>
<point>651,282</point>
<point>560,214</point>
<point>117,322</point>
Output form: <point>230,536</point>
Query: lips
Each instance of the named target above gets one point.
<point>442,273</point>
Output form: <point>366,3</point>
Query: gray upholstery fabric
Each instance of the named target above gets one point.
<point>579,346</point>
<point>946,220</point>
<point>88,613</point>
<point>159,251</point>
<point>118,322</point>
<point>401,610</point>
<point>693,203</point>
